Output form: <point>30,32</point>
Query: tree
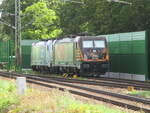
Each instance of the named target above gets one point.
<point>94,16</point>
<point>44,22</point>
<point>7,32</point>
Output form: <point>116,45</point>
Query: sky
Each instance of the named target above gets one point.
<point>0,12</point>
<point>1,1</point>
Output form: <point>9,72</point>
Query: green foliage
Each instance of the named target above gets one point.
<point>56,101</point>
<point>102,17</point>
<point>7,32</point>
<point>43,24</point>
<point>68,104</point>
<point>27,3</point>
<point>145,94</point>
<point>51,18</point>
<point>7,95</point>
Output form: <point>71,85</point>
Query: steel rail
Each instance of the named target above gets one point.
<point>131,98</point>
<point>119,80</point>
<point>101,78</point>
<point>105,83</point>
<point>121,104</point>
<point>119,84</point>
<point>106,79</point>
<point>92,96</point>
<point>95,91</point>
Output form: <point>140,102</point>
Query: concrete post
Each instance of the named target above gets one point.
<point>21,85</point>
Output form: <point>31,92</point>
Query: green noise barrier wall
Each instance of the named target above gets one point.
<point>26,53</point>
<point>129,53</point>
<point>7,54</point>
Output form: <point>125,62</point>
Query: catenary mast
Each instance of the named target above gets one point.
<point>18,35</point>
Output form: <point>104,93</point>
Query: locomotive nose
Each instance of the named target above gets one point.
<point>94,54</point>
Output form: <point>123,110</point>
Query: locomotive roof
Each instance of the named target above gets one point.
<point>75,39</point>
<point>67,39</point>
<point>40,43</point>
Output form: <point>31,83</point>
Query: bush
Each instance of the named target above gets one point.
<point>145,94</point>
<point>7,95</point>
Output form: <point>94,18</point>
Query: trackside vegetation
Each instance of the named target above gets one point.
<point>145,94</point>
<point>56,101</point>
<point>7,95</point>
<point>47,101</point>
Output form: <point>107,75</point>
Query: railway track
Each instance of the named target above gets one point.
<point>120,80</point>
<point>104,82</point>
<point>119,83</point>
<point>88,92</point>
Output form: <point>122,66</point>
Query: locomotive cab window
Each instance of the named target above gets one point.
<point>87,44</point>
<point>94,44</point>
<point>99,43</point>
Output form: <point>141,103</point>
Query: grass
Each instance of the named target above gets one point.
<point>7,95</point>
<point>145,94</point>
<point>56,101</point>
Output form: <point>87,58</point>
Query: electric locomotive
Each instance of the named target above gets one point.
<point>82,55</point>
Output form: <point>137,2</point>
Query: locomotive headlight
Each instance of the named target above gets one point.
<point>94,51</point>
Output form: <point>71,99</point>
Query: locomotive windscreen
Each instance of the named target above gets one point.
<point>88,44</point>
<point>94,44</point>
<point>99,43</point>
<point>93,49</point>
